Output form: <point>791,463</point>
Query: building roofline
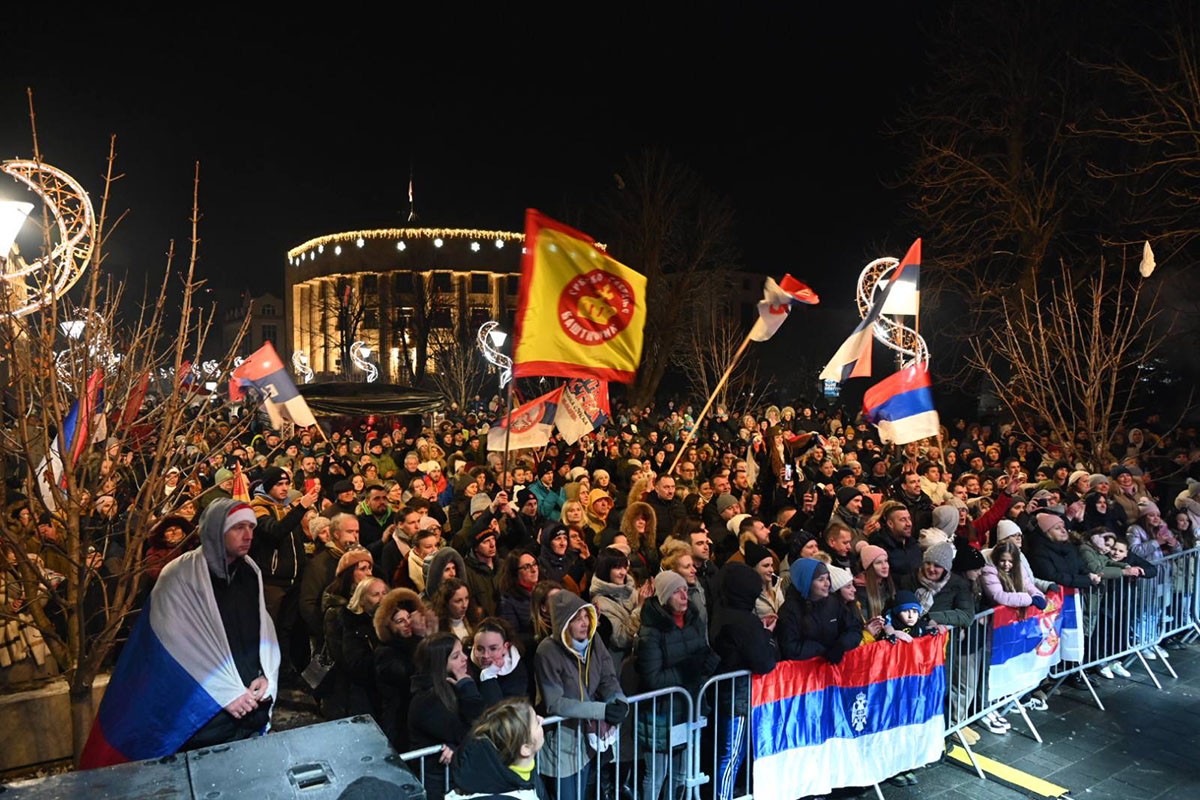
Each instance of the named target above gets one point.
<point>405,233</point>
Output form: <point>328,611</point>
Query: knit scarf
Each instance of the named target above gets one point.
<point>926,589</point>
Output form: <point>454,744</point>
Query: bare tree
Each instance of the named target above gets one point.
<point>709,344</point>
<point>667,225</point>
<point>1072,358</point>
<point>460,371</point>
<point>100,589</point>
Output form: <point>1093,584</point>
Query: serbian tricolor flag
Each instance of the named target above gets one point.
<point>531,424</point>
<point>580,313</point>
<point>1071,617</point>
<point>80,429</point>
<point>1027,644</point>
<point>776,304</point>
<point>583,407</point>
<point>819,726</point>
<point>264,371</point>
<point>901,406</point>
<point>853,358</point>
<point>176,672</point>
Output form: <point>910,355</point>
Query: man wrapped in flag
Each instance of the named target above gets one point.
<point>201,666</point>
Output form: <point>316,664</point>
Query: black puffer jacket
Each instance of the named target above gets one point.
<point>1059,562</point>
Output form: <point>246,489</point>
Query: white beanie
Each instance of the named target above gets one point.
<point>735,522</point>
<point>667,583</point>
<point>838,578</point>
<point>1006,528</point>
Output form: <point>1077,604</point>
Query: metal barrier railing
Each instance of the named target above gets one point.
<point>672,741</point>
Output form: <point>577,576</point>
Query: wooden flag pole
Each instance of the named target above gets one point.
<point>507,431</point>
<point>696,425</point>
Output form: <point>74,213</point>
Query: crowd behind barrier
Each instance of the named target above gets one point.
<point>392,554</point>
<point>1121,622</point>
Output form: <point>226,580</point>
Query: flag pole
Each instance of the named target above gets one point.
<point>696,426</point>
<point>507,431</point>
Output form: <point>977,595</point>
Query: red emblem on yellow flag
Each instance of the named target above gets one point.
<point>581,312</point>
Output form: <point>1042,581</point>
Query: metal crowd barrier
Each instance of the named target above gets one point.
<point>671,743</point>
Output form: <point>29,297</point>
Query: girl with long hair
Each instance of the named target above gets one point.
<point>499,757</point>
<point>445,703</point>
<point>455,609</point>
<point>639,523</point>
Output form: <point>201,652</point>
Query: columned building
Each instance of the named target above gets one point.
<point>404,292</point>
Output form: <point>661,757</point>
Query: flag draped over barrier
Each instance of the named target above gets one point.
<point>878,713</point>
<point>1025,646</point>
<point>580,312</point>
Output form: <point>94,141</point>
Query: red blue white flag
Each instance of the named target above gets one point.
<point>283,402</point>
<point>776,304</point>
<point>1028,643</point>
<point>583,407</point>
<point>853,358</point>
<point>818,726</point>
<point>531,424</point>
<point>901,406</point>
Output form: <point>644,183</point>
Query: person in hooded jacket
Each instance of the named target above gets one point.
<point>576,679</point>
<point>556,559</point>
<point>238,649</point>
<point>446,562</point>
<point>499,757</point>
<point>741,640</point>
<point>812,621</point>
<point>672,650</point>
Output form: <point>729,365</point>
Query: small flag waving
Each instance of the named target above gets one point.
<point>532,424</point>
<point>264,371</point>
<point>580,313</point>
<point>74,437</point>
<point>582,408</point>
<point>853,358</point>
<point>901,406</point>
<point>776,304</point>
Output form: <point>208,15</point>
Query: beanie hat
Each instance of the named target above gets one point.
<point>352,558</point>
<point>869,554</point>
<point>272,476</point>
<point>967,558</point>
<point>846,494</point>
<point>484,534</point>
<point>1097,540</point>
<point>1095,480</point>
<point>238,513</point>
<point>1006,528</point>
<point>931,536</point>
<point>222,476</point>
<point>1076,475</point>
<point>735,522</point>
<point>725,500</point>
<point>941,554</point>
<point>342,486</point>
<point>1048,521</point>
<point>755,553</point>
<point>597,495</point>
<point>480,503</point>
<point>1146,507</point>
<point>804,571</point>
<point>667,583</point>
<point>838,578</point>
<point>946,519</point>
<point>576,473</point>
<point>1118,471</point>
<point>524,496</point>
<point>906,601</point>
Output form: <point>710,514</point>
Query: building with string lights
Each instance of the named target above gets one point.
<point>402,292</point>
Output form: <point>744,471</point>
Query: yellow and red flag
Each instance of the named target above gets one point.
<point>580,312</point>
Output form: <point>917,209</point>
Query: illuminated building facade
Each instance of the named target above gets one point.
<point>396,290</point>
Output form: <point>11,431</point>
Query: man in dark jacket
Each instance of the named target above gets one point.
<point>480,563</point>
<point>919,506</point>
<point>895,536</point>
<point>668,509</point>
<point>343,534</point>
<point>374,517</point>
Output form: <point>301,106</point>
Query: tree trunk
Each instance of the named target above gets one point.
<point>83,712</point>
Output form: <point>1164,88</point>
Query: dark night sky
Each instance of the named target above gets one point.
<point>308,126</point>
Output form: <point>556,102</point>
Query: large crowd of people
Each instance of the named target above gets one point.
<point>455,600</point>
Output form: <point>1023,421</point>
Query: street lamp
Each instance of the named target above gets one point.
<point>12,217</point>
<point>490,339</point>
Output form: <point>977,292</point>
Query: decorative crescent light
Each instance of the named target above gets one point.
<point>358,354</point>
<point>893,334</point>
<point>75,359</point>
<point>301,367</point>
<point>36,284</point>
<point>491,354</point>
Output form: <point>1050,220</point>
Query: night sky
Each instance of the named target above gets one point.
<point>309,126</point>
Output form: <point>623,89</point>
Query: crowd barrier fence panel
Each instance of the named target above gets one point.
<point>727,699</point>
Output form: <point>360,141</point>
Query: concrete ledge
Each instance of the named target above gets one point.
<point>35,725</point>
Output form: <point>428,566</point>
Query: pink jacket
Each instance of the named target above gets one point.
<point>995,593</point>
